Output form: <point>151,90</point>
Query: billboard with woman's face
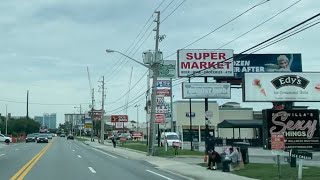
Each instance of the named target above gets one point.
<point>259,63</point>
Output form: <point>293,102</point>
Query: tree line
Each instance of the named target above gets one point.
<point>19,126</point>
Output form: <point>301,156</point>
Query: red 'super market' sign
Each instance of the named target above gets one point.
<point>205,62</point>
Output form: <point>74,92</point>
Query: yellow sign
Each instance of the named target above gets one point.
<point>88,126</point>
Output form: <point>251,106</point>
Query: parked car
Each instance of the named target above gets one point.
<point>42,138</point>
<point>30,138</point>
<point>70,136</point>
<point>62,135</point>
<point>5,139</point>
<point>170,137</point>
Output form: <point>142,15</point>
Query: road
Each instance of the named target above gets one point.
<point>67,159</point>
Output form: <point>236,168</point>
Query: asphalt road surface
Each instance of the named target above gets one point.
<point>63,159</point>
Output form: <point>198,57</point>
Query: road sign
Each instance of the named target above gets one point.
<point>88,126</point>
<point>209,114</point>
<point>119,118</point>
<point>160,100</point>
<point>277,141</point>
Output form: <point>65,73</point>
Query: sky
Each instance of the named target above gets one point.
<point>46,47</point>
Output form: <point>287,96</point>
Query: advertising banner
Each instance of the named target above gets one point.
<point>163,83</point>
<point>198,90</point>
<point>160,119</point>
<point>205,62</point>
<point>163,92</point>
<point>259,63</point>
<point>166,70</point>
<point>273,87</point>
<point>300,127</point>
<point>119,118</point>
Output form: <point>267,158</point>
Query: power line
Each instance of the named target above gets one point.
<point>173,11</point>
<point>129,89</point>
<point>226,23</point>
<point>275,15</point>
<point>164,9</point>
<point>44,104</point>
<point>141,30</point>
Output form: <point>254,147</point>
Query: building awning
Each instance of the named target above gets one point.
<point>254,123</point>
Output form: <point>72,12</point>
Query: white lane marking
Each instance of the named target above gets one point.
<point>92,170</point>
<point>2,154</point>
<point>104,153</point>
<point>165,177</point>
<point>73,150</point>
<point>79,156</point>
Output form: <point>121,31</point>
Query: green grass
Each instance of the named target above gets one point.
<point>270,172</point>
<point>80,139</point>
<point>160,151</point>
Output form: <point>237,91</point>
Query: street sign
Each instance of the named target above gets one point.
<point>160,99</point>
<point>119,125</point>
<point>277,141</point>
<point>209,114</point>
<point>119,118</point>
<point>300,154</point>
<point>88,126</point>
<point>163,83</point>
<point>166,70</point>
<point>160,119</point>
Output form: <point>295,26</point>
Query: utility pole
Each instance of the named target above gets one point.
<point>171,106</point>
<point>28,104</point>
<point>92,108</point>
<point>190,119</point>
<point>137,106</point>
<point>6,119</point>
<point>206,108</point>
<point>155,70</point>
<point>102,119</point>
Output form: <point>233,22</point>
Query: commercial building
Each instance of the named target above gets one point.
<point>224,113</point>
<point>48,120</point>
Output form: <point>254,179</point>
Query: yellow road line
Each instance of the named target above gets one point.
<point>21,177</point>
<point>30,162</point>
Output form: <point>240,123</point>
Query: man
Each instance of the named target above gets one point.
<point>234,155</point>
<point>210,151</point>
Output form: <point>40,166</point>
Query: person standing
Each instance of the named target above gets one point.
<point>210,151</point>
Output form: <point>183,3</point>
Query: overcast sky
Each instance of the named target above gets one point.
<point>47,45</point>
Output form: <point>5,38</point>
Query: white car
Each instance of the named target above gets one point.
<point>4,138</point>
<point>170,138</point>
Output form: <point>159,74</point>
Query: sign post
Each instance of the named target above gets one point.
<point>277,146</point>
<point>301,155</point>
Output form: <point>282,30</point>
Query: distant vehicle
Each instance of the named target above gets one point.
<point>49,136</point>
<point>62,135</point>
<point>70,136</point>
<point>170,137</point>
<point>36,135</point>
<point>30,138</point>
<point>5,139</point>
<point>42,138</point>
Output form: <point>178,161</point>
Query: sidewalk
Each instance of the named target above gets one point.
<point>189,171</point>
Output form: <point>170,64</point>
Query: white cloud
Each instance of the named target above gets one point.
<point>47,45</point>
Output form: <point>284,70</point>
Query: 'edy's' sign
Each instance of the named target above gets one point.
<point>300,127</point>
<point>273,87</point>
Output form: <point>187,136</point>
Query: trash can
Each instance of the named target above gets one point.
<point>225,164</point>
<point>243,146</point>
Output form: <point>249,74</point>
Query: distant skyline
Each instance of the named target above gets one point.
<point>46,47</point>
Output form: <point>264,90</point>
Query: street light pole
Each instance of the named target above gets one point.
<point>102,119</point>
<point>137,106</point>
<point>6,119</point>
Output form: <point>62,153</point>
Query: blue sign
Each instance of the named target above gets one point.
<point>163,83</point>
<point>263,63</point>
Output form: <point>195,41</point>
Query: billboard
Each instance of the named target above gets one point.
<point>166,70</point>
<point>119,118</point>
<point>198,90</point>
<point>275,87</point>
<point>259,63</point>
<point>300,127</point>
<point>163,92</point>
<point>205,62</point>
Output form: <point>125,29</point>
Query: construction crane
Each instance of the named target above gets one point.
<point>128,95</point>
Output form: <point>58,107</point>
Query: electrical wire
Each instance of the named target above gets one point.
<point>129,89</point>
<point>141,30</point>
<point>164,9</point>
<point>221,26</point>
<point>172,11</point>
<point>44,104</point>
